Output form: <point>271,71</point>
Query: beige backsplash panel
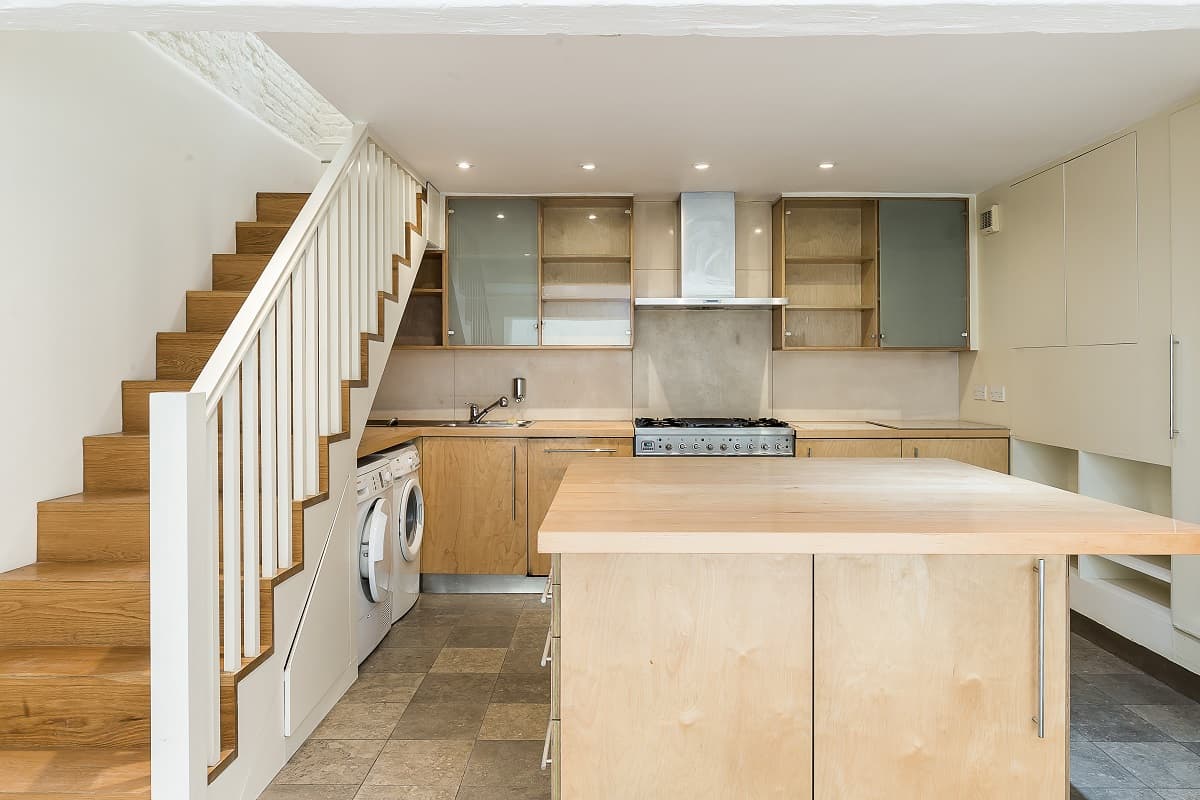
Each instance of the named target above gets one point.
<point>841,386</point>
<point>702,363</point>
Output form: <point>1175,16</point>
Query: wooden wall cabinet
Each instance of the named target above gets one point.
<point>423,325</point>
<point>953,713</point>
<point>987,453</point>
<point>866,273</point>
<point>548,462</point>
<point>476,505</point>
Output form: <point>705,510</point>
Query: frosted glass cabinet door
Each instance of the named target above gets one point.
<point>923,272</point>
<point>493,271</point>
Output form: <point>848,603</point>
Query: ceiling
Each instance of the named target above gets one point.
<point>934,113</point>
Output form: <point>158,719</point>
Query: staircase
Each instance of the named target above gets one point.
<point>75,692</point>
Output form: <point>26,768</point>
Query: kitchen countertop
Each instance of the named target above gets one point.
<point>376,439</point>
<point>878,506</point>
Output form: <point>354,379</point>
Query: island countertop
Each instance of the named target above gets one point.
<point>850,506</point>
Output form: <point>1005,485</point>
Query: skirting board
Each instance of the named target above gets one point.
<point>482,584</point>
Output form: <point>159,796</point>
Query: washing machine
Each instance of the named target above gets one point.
<point>374,534</point>
<point>409,503</point>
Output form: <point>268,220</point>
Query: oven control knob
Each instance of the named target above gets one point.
<point>710,447</point>
<point>737,447</point>
<point>668,447</point>
<point>781,446</point>
<point>724,448</point>
<point>764,447</point>
<point>696,446</point>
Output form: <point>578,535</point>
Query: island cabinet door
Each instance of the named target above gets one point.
<point>475,505</point>
<point>548,462</point>
<point>987,453</point>
<point>928,677</point>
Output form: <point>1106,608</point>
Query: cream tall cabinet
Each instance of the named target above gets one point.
<point>1185,279</point>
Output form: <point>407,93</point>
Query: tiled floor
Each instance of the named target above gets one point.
<point>453,706</point>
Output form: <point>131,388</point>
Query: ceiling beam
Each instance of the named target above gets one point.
<point>761,18</point>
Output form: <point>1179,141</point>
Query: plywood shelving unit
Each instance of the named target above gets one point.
<point>423,325</point>
<point>825,260</point>
<point>586,272</point>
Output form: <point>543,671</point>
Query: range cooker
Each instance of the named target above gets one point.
<point>713,436</point>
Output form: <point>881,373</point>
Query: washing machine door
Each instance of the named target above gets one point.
<point>412,519</point>
<point>374,550</point>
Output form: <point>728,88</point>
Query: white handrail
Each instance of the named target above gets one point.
<point>251,430</point>
<point>226,360</point>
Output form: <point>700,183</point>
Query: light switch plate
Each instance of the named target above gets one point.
<point>997,394</point>
<point>981,392</point>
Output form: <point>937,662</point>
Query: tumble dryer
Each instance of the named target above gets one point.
<point>409,503</point>
<point>372,569</point>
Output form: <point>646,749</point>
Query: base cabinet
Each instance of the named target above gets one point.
<point>987,453</point>
<point>476,506</point>
<point>899,677</point>
<point>548,462</point>
<point>848,448</point>
<point>926,683</point>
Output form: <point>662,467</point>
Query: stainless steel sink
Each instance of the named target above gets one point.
<point>442,423</point>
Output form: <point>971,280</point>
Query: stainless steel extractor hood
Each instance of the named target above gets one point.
<point>706,257</point>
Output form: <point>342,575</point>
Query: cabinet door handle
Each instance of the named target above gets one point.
<point>1174,432</point>
<point>1040,719</point>
<point>579,450</point>
<point>546,760</point>
<point>916,452</point>
<point>514,483</point>
<point>546,657</point>
<point>548,592</point>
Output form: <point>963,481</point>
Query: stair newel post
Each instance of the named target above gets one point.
<point>184,678</point>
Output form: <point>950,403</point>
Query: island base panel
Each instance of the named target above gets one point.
<point>925,678</point>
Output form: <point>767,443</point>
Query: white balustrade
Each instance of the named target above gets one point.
<point>232,458</point>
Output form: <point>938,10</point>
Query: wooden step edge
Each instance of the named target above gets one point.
<point>226,758</point>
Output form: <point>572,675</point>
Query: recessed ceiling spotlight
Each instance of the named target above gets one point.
<point>465,165</point>
<point>591,216</point>
<point>588,165</point>
<point>758,230</point>
<point>701,165</point>
<point>826,165</point>
<point>499,216</point>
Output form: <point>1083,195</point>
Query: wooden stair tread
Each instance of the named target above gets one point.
<point>47,661</point>
<point>116,497</point>
<point>80,572</point>
<point>105,773</point>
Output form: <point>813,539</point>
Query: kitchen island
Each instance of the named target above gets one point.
<point>835,629</point>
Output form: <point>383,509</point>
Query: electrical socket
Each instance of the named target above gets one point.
<point>981,391</point>
<point>997,394</point>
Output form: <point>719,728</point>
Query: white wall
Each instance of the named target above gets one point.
<point>123,173</point>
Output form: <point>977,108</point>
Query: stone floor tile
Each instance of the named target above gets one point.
<point>469,659</point>
<point>456,687</point>
<point>1097,723</point>
<point>1114,794</point>
<point>515,721</point>
<point>537,618</point>
<point>331,761</point>
<point>1091,659</point>
<point>359,721</point>
<point>1179,794</point>
<point>481,636</point>
<point>436,764</point>
<point>302,792</point>
<point>1092,768</point>
<point>417,635</point>
<point>1165,765</point>
<point>400,659</point>
<point>459,721</point>
<point>524,659</point>
<point>508,764</point>
<point>406,793</point>
<point>384,687</point>
<point>1180,722</point>
<point>1084,692</point>
<point>522,687</point>
<point>1137,690</point>
<point>504,792</point>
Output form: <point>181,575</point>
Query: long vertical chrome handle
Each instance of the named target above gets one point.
<point>546,658</point>
<point>546,760</point>
<point>1040,719</point>
<point>548,592</point>
<point>514,483</point>
<point>1174,432</point>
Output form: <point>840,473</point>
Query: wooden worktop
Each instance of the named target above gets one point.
<point>878,506</point>
<point>375,440</point>
<point>899,429</point>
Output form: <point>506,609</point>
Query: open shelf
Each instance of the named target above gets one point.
<point>422,327</point>
<point>824,253</point>
<point>603,259</point>
<point>428,291</point>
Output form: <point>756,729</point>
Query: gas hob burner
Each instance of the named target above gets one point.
<point>708,422</point>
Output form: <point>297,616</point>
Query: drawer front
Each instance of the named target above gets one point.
<point>556,760</point>
<point>555,613</point>
<point>848,448</point>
